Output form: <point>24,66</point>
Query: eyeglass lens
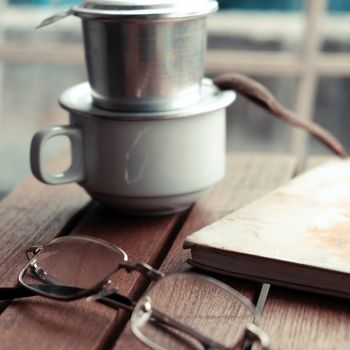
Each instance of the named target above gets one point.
<point>71,262</point>
<point>199,303</point>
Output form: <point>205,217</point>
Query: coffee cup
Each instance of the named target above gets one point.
<point>141,163</point>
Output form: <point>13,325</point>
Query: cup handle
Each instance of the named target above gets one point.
<point>75,172</point>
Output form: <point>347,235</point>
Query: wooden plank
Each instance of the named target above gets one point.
<point>41,323</point>
<point>35,213</point>
<point>300,320</point>
<point>248,176</point>
<point>297,320</point>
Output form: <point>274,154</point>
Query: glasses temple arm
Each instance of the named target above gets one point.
<point>113,300</point>
<point>15,293</point>
<point>260,304</point>
<point>252,332</point>
<point>117,301</point>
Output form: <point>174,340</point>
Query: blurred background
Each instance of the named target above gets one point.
<point>298,48</point>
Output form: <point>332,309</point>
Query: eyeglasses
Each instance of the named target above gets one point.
<point>179,311</point>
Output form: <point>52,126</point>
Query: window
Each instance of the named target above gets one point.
<point>299,49</point>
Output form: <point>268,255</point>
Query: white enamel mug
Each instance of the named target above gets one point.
<point>146,163</point>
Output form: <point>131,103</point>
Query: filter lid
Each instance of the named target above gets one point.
<point>157,9</point>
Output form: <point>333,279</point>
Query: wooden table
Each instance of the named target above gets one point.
<point>36,213</point>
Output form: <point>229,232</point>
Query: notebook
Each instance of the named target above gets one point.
<point>296,236</point>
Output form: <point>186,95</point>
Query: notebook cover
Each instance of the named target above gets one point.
<point>305,222</point>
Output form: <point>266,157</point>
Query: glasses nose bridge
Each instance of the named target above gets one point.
<point>143,268</point>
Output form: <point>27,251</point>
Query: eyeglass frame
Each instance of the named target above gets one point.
<point>111,298</point>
